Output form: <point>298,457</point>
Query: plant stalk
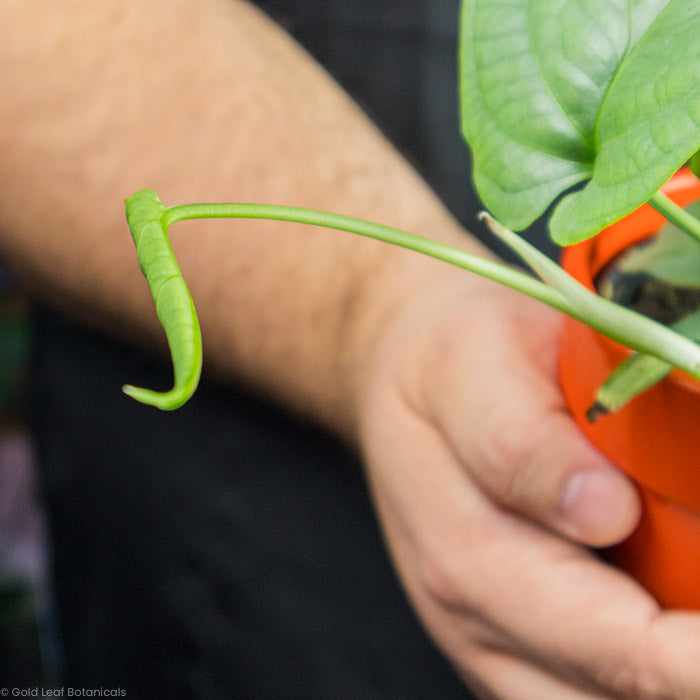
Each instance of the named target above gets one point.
<point>495,271</point>
<point>558,290</point>
<point>676,215</point>
<point>623,325</point>
<point>150,221</point>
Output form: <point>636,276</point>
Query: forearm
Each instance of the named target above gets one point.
<point>204,101</point>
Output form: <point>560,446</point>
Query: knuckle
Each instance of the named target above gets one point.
<point>635,681</point>
<point>440,582</point>
<point>512,460</point>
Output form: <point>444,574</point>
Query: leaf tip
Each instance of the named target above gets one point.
<point>165,401</point>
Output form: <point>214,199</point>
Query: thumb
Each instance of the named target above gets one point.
<point>485,377</point>
<point>540,465</point>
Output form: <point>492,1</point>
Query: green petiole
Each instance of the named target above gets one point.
<point>676,215</point>
<point>467,261</point>
<point>149,222</point>
<point>627,327</point>
<point>638,373</point>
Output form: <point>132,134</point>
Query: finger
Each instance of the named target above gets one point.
<point>490,663</point>
<point>537,462</point>
<point>592,628</point>
<point>512,433</point>
<point>504,677</point>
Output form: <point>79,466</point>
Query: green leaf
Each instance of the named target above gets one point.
<point>146,218</point>
<point>558,92</point>
<point>672,256</point>
<point>695,164</point>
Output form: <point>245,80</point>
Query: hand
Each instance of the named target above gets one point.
<point>486,491</point>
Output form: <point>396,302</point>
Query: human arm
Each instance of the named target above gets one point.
<point>388,349</point>
<point>209,102</point>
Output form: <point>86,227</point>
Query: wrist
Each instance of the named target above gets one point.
<point>381,330</point>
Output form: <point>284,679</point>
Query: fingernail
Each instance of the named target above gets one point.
<point>601,506</point>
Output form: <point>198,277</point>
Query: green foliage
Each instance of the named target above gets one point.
<point>638,373</point>
<point>695,164</point>
<point>174,306</point>
<point>672,256</point>
<point>556,93</point>
<point>149,221</point>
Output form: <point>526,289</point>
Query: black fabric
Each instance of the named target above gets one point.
<point>225,550</point>
<point>228,550</point>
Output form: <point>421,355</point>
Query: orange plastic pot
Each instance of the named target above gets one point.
<point>655,439</point>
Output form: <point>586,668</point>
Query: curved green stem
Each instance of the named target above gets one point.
<point>677,215</point>
<point>467,261</point>
<point>149,222</point>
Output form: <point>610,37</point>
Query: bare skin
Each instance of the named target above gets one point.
<point>447,383</point>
